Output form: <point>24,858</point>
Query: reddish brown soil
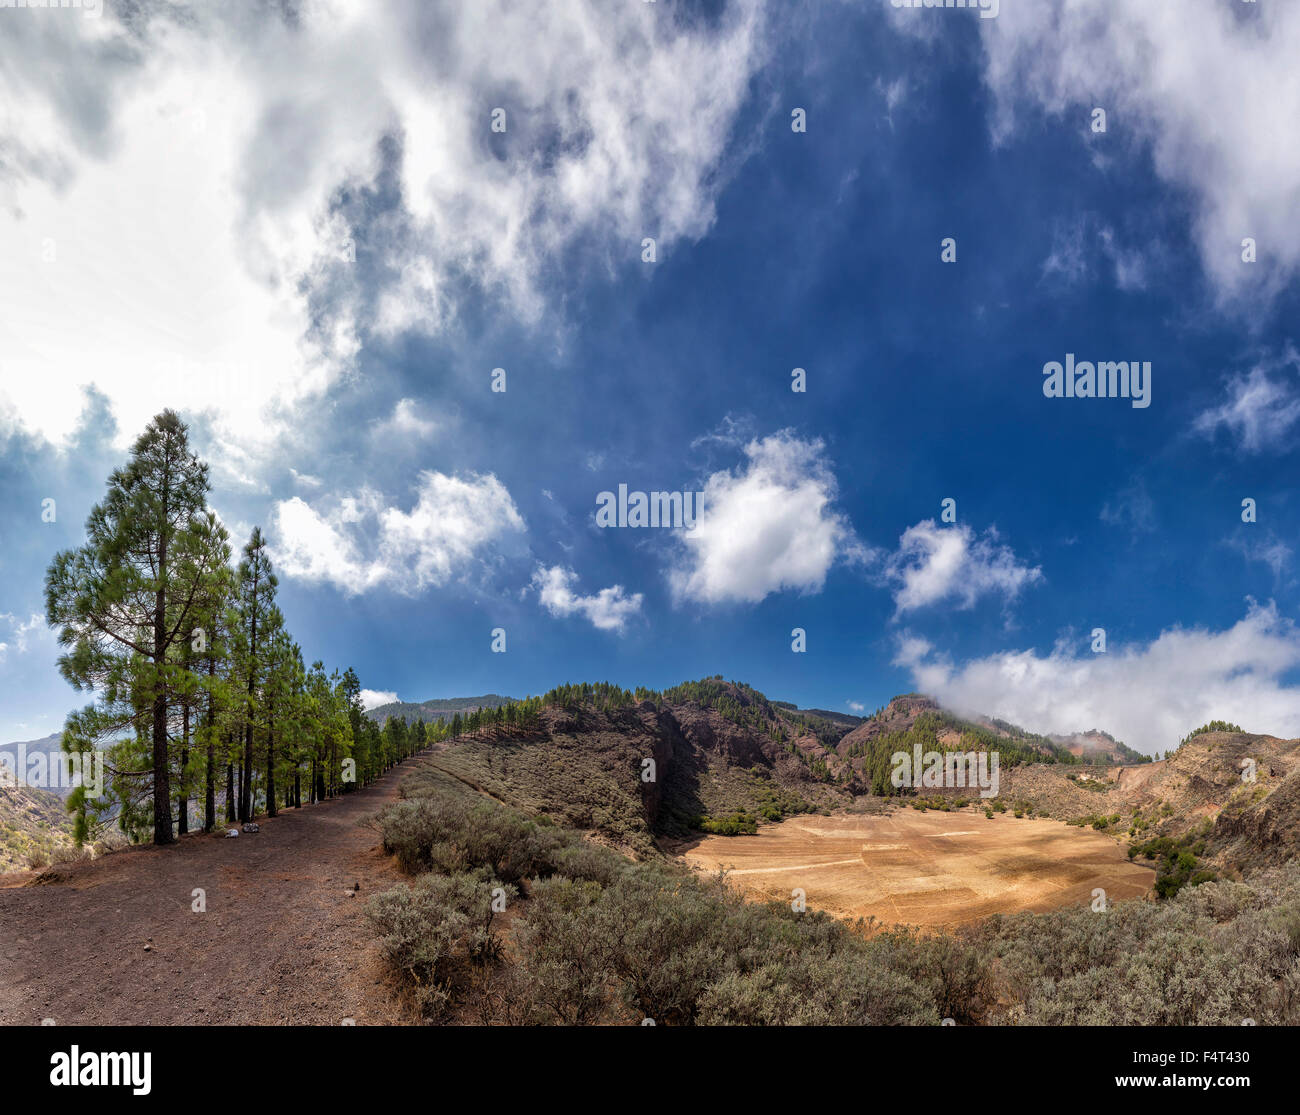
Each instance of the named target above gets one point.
<point>281,941</point>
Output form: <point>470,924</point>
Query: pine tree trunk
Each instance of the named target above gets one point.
<point>230,791</point>
<point>297,788</point>
<point>162,797</point>
<point>245,797</point>
<point>210,788</point>
<point>271,807</point>
<point>245,774</point>
<point>183,801</point>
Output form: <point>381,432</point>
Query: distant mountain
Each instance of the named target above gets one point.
<point>847,720</point>
<point>1096,746</point>
<point>443,708</point>
<point>51,747</point>
<point>49,744</point>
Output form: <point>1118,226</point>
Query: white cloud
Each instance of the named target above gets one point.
<point>405,423</point>
<point>856,706</point>
<point>608,610</point>
<point>912,649</point>
<point>934,564</point>
<point>360,544</point>
<point>768,526</point>
<point>1210,86</point>
<point>22,632</point>
<point>1260,410</point>
<point>1149,696</point>
<point>192,177</point>
<point>373,698</point>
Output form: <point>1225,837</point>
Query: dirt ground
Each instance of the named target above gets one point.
<point>929,869</point>
<point>283,939</point>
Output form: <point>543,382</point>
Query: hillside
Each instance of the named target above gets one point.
<point>722,753</point>
<point>1192,816</point>
<point>726,757</point>
<point>914,719</point>
<point>33,825</point>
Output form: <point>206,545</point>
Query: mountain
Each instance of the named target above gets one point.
<point>439,709</point>
<point>49,746</point>
<point>724,757</point>
<point>58,782</point>
<point>720,756</point>
<point>1096,746</point>
<point>917,719</point>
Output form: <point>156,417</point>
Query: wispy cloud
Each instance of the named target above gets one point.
<point>1261,408</point>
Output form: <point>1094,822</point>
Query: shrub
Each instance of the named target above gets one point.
<point>427,928</point>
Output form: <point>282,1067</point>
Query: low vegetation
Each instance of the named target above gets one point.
<point>1178,859</point>
<point>511,920</point>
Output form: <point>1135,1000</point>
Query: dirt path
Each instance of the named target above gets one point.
<point>281,941</point>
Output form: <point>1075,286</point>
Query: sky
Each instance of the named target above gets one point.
<point>324,232</point>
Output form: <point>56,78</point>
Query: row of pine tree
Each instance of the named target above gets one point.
<point>203,703</point>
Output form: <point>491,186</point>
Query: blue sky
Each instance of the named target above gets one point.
<point>304,234</point>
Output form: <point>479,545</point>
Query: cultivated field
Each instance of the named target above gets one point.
<point>929,869</point>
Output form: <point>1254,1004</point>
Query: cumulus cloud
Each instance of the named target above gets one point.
<point>936,564</point>
<point>373,698</point>
<point>1209,87</point>
<point>1148,695</point>
<point>608,610</point>
<point>1260,409</point>
<point>359,543</point>
<point>214,206</point>
<point>767,526</point>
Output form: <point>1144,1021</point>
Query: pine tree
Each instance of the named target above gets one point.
<point>120,603</point>
<point>256,596</point>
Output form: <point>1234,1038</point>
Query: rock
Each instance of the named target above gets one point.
<point>232,832</point>
<point>249,826</point>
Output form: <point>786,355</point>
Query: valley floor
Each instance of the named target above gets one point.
<point>930,869</point>
<point>283,939</point>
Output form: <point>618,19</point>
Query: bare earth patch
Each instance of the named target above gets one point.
<point>929,869</point>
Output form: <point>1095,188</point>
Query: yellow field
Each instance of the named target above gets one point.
<point>929,869</point>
